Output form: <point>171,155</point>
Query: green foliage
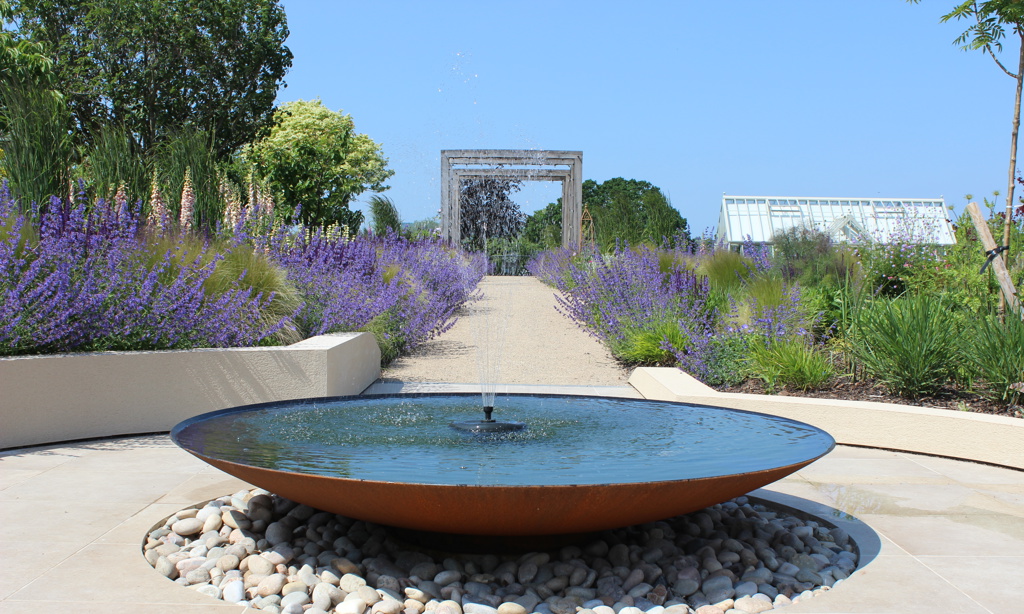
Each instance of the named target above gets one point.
<point>544,227</point>
<point>758,297</point>
<point>386,328</point>
<point>907,343</point>
<point>726,270</point>
<point>36,143</point>
<point>112,160</point>
<point>314,158</point>
<point>508,256</point>
<point>28,235</point>
<point>158,65</point>
<point>632,211</point>
<point>423,228</point>
<point>384,215</point>
<point>908,262</point>
<point>727,359</point>
<point>809,256</point>
<point>995,355</point>
<point>190,150</point>
<point>645,345</point>
<point>790,363</point>
<point>957,275</point>
<point>20,60</point>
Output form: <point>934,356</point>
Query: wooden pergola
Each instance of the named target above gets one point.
<point>522,164</point>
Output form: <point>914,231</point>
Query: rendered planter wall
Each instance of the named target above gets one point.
<point>45,399</point>
<point>989,439</point>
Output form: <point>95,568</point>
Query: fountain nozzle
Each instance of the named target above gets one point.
<point>488,426</point>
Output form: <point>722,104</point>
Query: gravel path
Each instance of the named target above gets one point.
<point>535,344</point>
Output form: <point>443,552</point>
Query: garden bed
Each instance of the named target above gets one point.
<point>847,389</point>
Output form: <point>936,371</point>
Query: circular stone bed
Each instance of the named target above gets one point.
<point>741,557</point>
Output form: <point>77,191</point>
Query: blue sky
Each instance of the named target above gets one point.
<point>795,97</point>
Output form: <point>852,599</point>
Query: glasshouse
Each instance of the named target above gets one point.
<point>758,219</point>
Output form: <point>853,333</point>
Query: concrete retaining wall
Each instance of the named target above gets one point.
<point>964,435</point>
<point>45,399</point>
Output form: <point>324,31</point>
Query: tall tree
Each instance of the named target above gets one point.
<point>24,70</point>
<point>487,210</point>
<point>154,66</point>
<point>313,157</point>
<point>20,60</point>
<point>632,211</point>
<point>991,19</point>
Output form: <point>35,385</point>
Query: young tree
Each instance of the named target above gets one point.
<point>157,65</point>
<point>313,157</point>
<point>991,20</point>
<point>488,212</point>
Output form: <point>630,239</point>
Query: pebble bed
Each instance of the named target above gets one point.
<point>738,557</point>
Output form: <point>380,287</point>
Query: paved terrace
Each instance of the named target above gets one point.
<point>937,535</point>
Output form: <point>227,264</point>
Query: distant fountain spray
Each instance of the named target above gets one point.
<point>490,319</point>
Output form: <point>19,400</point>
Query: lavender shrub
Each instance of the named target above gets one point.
<point>88,278</point>
<point>644,314</point>
<point>81,286</point>
<point>405,292</point>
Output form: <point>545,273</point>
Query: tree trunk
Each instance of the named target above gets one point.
<point>1008,222</point>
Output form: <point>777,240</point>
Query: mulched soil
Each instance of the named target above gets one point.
<point>847,389</point>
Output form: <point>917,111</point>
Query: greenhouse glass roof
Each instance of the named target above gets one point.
<point>851,220</point>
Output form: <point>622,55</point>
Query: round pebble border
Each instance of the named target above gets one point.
<point>738,557</point>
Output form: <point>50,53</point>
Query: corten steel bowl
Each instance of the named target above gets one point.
<point>583,464</point>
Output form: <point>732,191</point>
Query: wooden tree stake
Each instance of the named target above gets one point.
<point>997,263</point>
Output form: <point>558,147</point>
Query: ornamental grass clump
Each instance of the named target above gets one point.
<point>907,343</point>
<point>790,363</point>
<point>995,356</point>
<point>726,270</point>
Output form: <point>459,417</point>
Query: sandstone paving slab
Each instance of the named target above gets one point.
<point>202,487</point>
<point>55,484</point>
<point>78,523</point>
<point>994,582</point>
<point>996,535</point>
<point>12,477</point>
<point>1011,495</point>
<point>124,577</point>
<point>23,561</point>
<point>855,452</point>
<point>116,553</point>
<point>896,470</point>
<point>133,529</point>
<point>165,456</point>
<point>970,473</point>
<point>41,458</point>
<point>917,499</point>
<point>890,585</point>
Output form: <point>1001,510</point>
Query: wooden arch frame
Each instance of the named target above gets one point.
<point>524,164</point>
